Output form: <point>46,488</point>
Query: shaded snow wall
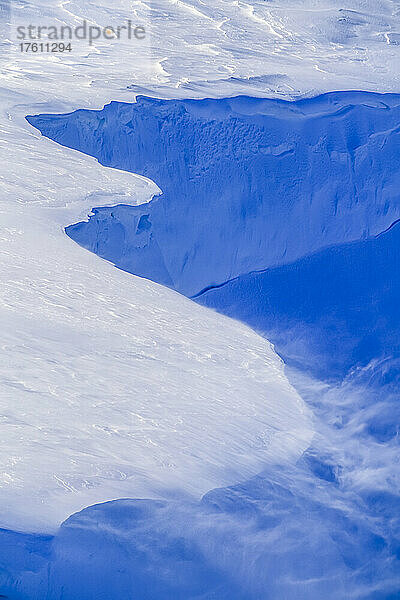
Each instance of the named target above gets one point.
<point>247,183</point>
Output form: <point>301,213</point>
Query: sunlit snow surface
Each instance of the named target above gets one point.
<point>113,386</point>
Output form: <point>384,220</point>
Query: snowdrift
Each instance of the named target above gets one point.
<point>282,215</point>
<point>249,188</point>
<point>329,311</point>
<point>246,183</point>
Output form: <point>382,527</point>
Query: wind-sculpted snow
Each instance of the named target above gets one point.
<point>281,49</point>
<point>329,526</point>
<point>123,388</point>
<point>316,530</point>
<point>246,183</point>
<point>71,325</point>
<point>280,182</point>
<point>329,311</point>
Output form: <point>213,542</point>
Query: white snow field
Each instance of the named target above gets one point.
<point>112,386</point>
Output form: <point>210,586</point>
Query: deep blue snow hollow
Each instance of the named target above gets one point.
<point>283,215</point>
<point>254,185</point>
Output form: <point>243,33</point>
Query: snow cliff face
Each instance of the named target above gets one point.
<point>247,184</point>
<point>328,311</point>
